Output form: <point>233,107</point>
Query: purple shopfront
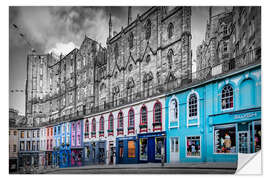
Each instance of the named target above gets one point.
<point>76,143</point>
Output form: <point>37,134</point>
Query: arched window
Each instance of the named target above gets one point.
<point>120,123</point>
<point>193,105</point>
<point>101,126</point>
<point>86,134</point>
<point>116,51</point>
<point>227,97</point>
<point>110,125</point>
<point>93,133</point>
<point>157,125</point>
<point>170,30</point>
<point>130,40</point>
<point>131,121</point>
<point>170,57</point>
<point>148,59</point>
<point>143,122</point>
<point>174,112</point>
<point>148,29</point>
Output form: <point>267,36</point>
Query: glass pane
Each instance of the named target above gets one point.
<point>143,149</point>
<point>131,149</point>
<point>225,140</point>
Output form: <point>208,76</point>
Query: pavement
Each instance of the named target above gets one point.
<point>147,168</point>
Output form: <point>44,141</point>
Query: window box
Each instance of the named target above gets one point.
<point>110,130</point>
<point>120,129</point>
<point>93,133</point>
<point>157,124</point>
<point>130,128</point>
<point>86,134</point>
<point>101,132</point>
<point>143,126</point>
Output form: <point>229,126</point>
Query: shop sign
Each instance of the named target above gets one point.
<point>244,116</point>
<point>127,138</point>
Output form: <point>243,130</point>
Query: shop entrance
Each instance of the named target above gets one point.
<point>243,142</point>
<point>174,149</point>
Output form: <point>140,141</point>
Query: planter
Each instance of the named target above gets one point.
<point>130,128</point>
<point>143,126</point>
<point>157,124</point>
<point>120,129</point>
<point>110,130</point>
<point>101,132</point>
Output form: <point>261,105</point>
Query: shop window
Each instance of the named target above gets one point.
<point>170,30</point>
<point>143,121</point>
<point>257,137</point>
<point>158,147</point>
<point>101,126</point>
<point>121,149</point>
<point>227,97</point>
<point>225,139</point>
<point>131,121</point>
<point>193,146</point>
<point>148,29</point>
<point>143,149</point>
<point>131,149</point>
<point>93,133</point>
<point>120,123</point>
<point>174,112</point>
<point>110,124</point>
<point>157,125</point>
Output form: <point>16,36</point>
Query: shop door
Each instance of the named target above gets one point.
<point>243,142</point>
<point>151,149</point>
<point>174,149</point>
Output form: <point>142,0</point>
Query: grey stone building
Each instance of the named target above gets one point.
<point>150,56</point>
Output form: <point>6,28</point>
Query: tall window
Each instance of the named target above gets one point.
<point>131,121</point>
<point>170,57</point>
<point>157,125</point>
<point>116,51</point>
<point>120,123</point>
<point>110,124</point>
<point>93,134</point>
<point>143,124</point>
<point>227,97</point>
<point>148,29</point>
<point>86,134</point>
<point>193,105</point>
<point>131,37</point>
<point>170,30</point>
<point>130,86</point>
<point>101,126</point>
<point>174,112</point>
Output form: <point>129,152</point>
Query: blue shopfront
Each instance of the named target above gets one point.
<point>95,152</point>
<point>126,150</point>
<point>151,147</point>
<point>234,132</point>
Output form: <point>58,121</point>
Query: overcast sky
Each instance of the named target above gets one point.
<point>61,29</point>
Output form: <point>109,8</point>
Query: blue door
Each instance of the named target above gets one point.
<point>151,149</point>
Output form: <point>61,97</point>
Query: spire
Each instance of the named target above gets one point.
<point>110,26</point>
<point>129,15</point>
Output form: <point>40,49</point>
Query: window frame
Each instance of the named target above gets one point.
<point>200,147</point>
<point>154,116</point>
<point>101,119</point>
<point>86,129</point>
<point>110,129</point>
<point>148,29</point>
<point>198,109</point>
<point>93,127</point>
<point>120,132</point>
<point>178,114</point>
<point>224,98</point>
<point>146,123</point>
<point>170,30</point>
<point>131,129</point>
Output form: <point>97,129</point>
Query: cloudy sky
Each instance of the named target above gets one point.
<point>60,29</point>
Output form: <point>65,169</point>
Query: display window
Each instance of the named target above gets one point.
<point>131,149</point>
<point>193,146</point>
<point>257,137</point>
<point>225,139</point>
<point>143,149</point>
<point>158,146</point>
<point>121,149</point>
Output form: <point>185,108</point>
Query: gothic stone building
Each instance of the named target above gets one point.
<point>152,50</point>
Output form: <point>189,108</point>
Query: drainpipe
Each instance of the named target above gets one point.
<point>204,125</point>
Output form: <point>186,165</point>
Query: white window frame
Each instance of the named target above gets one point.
<point>200,147</point>
<point>198,110</point>
<point>177,126</point>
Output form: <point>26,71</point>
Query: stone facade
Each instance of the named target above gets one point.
<point>232,40</point>
<point>151,51</point>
